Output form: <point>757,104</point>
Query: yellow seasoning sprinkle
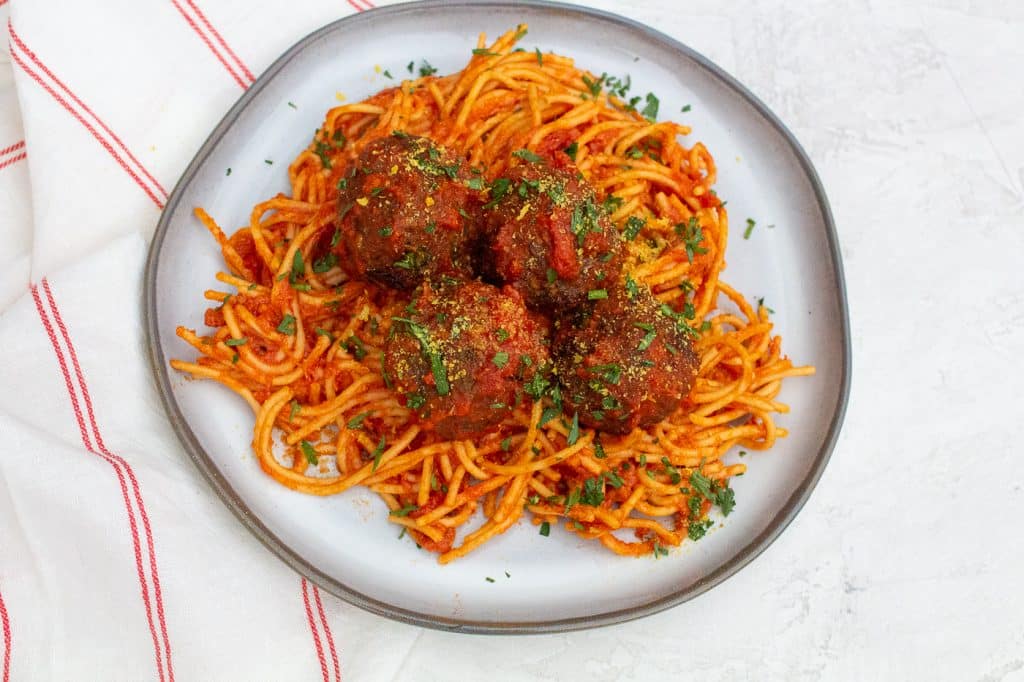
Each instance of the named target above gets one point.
<point>362,201</point>
<point>523,211</point>
<point>394,169</point>
<point>430,201</point>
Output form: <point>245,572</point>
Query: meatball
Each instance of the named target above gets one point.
<point>545,234</point>
<point>404,213</point>
<point>461,358</point>
<point>626,363</point>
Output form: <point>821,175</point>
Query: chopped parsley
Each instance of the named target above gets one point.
<point>506,444</point>
<point>287,325</point>
<point>612,203</point>
<point>613,479</point>
<point>750,228</point>
<point>321,149</point>
<point>572,149</point>
<point>597,294</point>
<point>633,227</point>
<point>632,288</point>
<point>547,415</point>
<point>536,386</point>
<point>672,472</point>
<point>404,511</point>
<point>499,188</point>
<point>412,260</point>
<point>572,500</point>
<point>500,359</point>
<point>574,430</point>
<point>618,86</point>
<point>426,69</point>
<point>611,372</point>
<point>692,236</point>
<point>325,263</point>
<point>436,361</point>
<point>309,452</point>
<point>355,346</point>
<point>356,422</point>
<point>484,52</point>
<point>594,86</point>
<point>698,529</point>
<point>237,342</point>
<point>702,484</point>
<point>650,110</point>
<point>298,268</point>
<point>526,155</point>
<point>545,528</point>
<point>502,334</point>
<point>725,498</point>
<point>649,337</point>
<point>584,220</point>
<point>593,492</point>
<point>686,108</point>
<point>377,453</point>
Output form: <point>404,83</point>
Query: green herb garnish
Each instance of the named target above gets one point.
<point>404,511</point>
<point>309,452</point>
<point>287,325</point>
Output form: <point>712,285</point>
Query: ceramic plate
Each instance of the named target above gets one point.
<point>345,543</point>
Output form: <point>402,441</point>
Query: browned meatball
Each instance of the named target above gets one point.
<point>404,211</point>
<point>461,360</point>
<point>546,235</point>
<point>628,363</point>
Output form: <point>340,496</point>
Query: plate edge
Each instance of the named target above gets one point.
<point>743,558</point>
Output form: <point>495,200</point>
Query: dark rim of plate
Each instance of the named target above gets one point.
<point>227,494</point>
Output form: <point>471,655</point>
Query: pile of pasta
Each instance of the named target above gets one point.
<point>303,345</point>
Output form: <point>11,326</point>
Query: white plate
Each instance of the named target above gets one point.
<point>345,543</point>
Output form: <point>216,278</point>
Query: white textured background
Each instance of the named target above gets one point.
<point>908,561</point>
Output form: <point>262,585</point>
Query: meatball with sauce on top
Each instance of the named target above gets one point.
<point>404,213</point>
<point>627,363</point>
<point>545,234</point>
<point>461,359</point>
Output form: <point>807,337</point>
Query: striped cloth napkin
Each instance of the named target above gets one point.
<point>116,559</point>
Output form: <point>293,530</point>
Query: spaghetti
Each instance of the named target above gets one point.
<point>302,343</point>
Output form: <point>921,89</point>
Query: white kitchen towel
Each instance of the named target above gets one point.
<point>116,561</point>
